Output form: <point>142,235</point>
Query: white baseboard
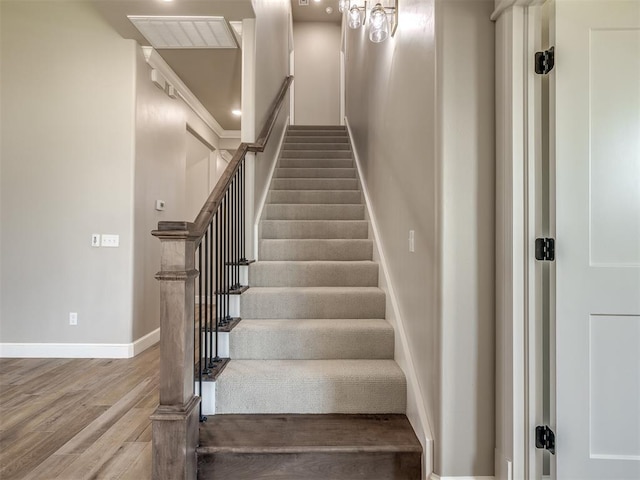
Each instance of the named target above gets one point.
<point>416,411</point>
<point>79,350</point>
<point>263,199</point>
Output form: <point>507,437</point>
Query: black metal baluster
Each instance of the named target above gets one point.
<point>213,343</point>
<point>243,256</point>
<point>198,331</point>
<point>227,257</point>
<point>203,309</point>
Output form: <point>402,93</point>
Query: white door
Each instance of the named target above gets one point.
<point>597,207</point>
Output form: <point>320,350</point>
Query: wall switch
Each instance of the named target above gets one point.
<point>73,318</point>
<point>95,239</point>
<point>412,241</point>
<point>110,240</point>
<point>159,205</point>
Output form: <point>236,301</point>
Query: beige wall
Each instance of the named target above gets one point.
<point>272,26</point>
<point>467,148</point>
<point>317,72</point>
<point>88,146</point>
<point>67,155</point>
<point>421,110</point>
<point>390,108</point>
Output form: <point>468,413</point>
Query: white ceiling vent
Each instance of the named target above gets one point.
<point>185,32</point>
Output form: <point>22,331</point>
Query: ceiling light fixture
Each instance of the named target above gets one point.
<point>383,20</point>
<point>237,112</point>
<point>329,10</point>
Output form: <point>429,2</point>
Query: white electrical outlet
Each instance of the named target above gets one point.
<point>110,240</point>
<point>412,241</point>
<point>73,318</point>
<point>95,239</point>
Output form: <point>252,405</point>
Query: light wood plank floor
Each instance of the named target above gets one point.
<point>71,419</point>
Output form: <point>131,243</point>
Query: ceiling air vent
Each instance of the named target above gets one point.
<point>303,3</point>
<point>185,32</point>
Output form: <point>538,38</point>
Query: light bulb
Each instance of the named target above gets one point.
<point>354,17</point>
<point>343,5</point>
<point>378,24</point>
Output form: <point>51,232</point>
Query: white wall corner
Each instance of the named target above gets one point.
<point>79,350</point>
<point>416,411</point>
<point>265,194</point>
<point>154,59</point>
<point>503,467</point>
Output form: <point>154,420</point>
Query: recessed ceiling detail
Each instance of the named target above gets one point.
<point>185,32</point>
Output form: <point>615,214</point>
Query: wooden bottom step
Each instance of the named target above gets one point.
<point>309,447</point>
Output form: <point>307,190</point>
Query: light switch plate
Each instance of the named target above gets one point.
<point>109,240</point>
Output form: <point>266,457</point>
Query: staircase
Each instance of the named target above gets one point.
<point>313,338</point>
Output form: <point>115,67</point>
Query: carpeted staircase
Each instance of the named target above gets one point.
<point>313,337</point>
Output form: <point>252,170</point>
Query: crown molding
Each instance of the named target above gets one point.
<point>154,59</point>
<point>504,5</point>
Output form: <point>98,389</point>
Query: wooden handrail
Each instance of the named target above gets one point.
<point>197,229</point>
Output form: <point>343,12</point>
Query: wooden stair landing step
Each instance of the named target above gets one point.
<point>309,447</point>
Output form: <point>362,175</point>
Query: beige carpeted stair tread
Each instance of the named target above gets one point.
<point>314,249</point>
<point>312,339</point>
<point>313,302</point>
<point>317,172</point>
<point>315,184</point>
<point>310,211</point>
<point>311,386</point>
<point>360,273</point>
<point>315,196</point>
<point>316,163</point>
<point>314,229</point>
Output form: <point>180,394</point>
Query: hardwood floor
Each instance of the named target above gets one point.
<point>71,419</point>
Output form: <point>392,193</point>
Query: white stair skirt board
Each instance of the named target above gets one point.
<point>265,194</point>
<point>416,412</point>
<point>208,398</point>
<point>223,343</point>
<point>79,350</point>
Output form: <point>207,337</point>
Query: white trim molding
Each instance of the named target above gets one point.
<point>503,5</point>
<point>79,350</point>
<point>416,412</point>
<point>265,194</point>
<point>154,59</point>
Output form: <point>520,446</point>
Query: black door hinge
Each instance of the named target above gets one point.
<point>545,438</point>
<point>545,249</point>
<point>545,61</point>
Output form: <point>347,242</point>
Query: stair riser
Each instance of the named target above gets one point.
<point>316,139</point>
<point>314,229</point>
<point>310,466</point>
<point>311,340</point>
<point>316,146</point>
<point>315,172</point>
<point>316,250</point>
<point>313,274</point>
<point>289,392</point>
<point>317,133</point>
<point>316,163</point>
<point>332,128</point>
<point>294,304</point>
<point>315,154</point>
<point>314,184</point>
<point>315,196</point>
<point>313,212</point>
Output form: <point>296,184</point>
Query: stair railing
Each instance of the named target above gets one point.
<point>199,270</point>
